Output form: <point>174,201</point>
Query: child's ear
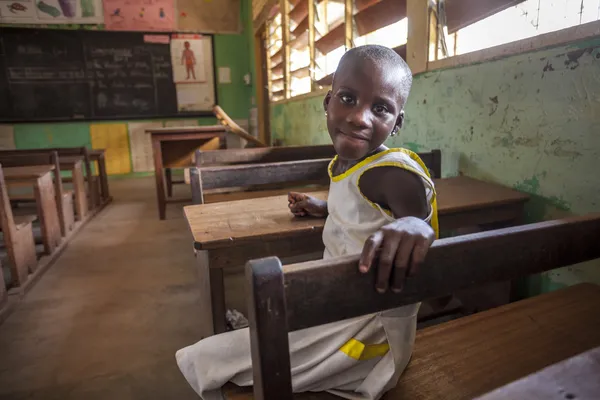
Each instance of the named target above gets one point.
<point>326,100</point>
<point>400,120</point>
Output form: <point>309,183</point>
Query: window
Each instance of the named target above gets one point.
<point>527,19</point>
<point>300,76</point>
<point>274,44</point>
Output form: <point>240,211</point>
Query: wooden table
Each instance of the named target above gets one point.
<point>40,177</point>
<point>75,165</point>
<point>174,148</point>
<point>471,356</point>
<point>231,233</point>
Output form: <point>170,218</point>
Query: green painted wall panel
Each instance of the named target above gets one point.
<point>528,121</point>
<point>30,136</point>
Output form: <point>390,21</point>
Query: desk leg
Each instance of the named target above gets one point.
<point>212,295</point>
<point>160,180</point>
<point>169,176</point>
<point>47,212</point>
<point>81,205</point>
<point>103,178</point>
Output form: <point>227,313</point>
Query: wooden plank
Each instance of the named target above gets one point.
<point>271,217</point>
<point>575,378</point>
<point>417,46</point>
<point>452,264</point>
<point>285,44</point>
<point>263,155</point>
<point>267,173</point>
<point>332,39</point>
<point>380,14</point>
<point>462,13</point>
<point>13,174</point>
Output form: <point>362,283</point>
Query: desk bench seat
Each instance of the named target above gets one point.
<point>471,356</point>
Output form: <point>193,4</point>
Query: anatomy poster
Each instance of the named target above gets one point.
<point>139,15</point>
<point>187,53</point>
<point>51,11</point>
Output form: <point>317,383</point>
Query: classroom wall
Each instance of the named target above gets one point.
<point>530,121</point>
<point>233,51</point>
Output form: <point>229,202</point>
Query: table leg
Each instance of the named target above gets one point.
<point>169,177</point>
<point>81,206</point>
<point>212,295</point>
<point>160,180</point>
<point>103,178</point>
<point>47,212</point>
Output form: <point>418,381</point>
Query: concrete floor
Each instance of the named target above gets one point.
<point>107,318</point>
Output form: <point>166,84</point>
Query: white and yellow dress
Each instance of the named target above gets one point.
<point>359,358</point>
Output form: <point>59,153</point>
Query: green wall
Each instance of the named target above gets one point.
<point>233,51</point>
<point>530,121</point>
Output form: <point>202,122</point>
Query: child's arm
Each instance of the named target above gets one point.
<point>404,243</point>
<point>303,205</point>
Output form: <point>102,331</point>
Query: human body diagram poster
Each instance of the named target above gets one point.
<point>51,11</point>
<point>187,53</point>
<point>139,15</point>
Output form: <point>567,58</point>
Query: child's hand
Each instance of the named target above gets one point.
<point>303,205</point>
<point>404,244</point>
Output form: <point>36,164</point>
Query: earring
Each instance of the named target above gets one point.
<point>394,131</point>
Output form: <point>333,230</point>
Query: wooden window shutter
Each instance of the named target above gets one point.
<point>378,14</point>
<point>461,13</point>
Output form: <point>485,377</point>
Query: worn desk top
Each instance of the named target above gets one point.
<point>220,224</point>
<point>69,161</point>
<point>27,172</point>
<point>188,129</point>
<point>470,356</point>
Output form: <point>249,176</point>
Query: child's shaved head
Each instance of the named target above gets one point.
<point>366,102</point>
<point>385,58</point>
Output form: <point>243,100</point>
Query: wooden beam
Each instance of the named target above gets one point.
<point>262,174</point>
<point>311,43</point>
<point>263,155</point>
<point>261,66</point>
<point>332,40</point>
<point>348,24</point>
<point>417,46</point>
<point>378,15</point>
<point>461,13</point>
<point>285,34</point>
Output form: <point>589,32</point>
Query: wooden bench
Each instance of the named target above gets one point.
<point>64,199</point>
<point>471,355</point>
<point>575,378</point>
<point>288,173</point>
<point>97,186</point>
<point>18,240</point>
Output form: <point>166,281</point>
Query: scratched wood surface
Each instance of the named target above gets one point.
<point>575,378</point>
<point>471,356</point>
<point>217,225</point>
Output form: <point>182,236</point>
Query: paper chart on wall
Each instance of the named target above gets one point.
<point>7,137</point>
<point>51,11</point>
<point>113,138</point>
<point>187,54</point>
<point>139,15</point>
<point>141,145</point>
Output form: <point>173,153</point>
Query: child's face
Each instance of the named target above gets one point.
<point>363,108</point>
<point>187,45</point>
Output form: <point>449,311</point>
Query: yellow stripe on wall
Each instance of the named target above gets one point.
<point>114,139</point>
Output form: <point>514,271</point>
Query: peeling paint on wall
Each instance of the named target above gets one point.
<point>530,121</point>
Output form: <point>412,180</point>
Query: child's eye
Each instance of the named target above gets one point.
<point>380,109</point>
<point>347,99</point>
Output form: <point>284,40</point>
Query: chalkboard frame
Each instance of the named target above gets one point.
<point>185,114</point>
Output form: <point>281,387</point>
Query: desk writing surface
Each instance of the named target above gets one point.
<point>26,172</point>
<point>69,161</point>
<point>188,129</point>
<point>219,224</point>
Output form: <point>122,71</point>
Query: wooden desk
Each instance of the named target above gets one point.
<point>174,148</point>
<point>575,378</point>
<point>75,165</point>
<point>257,228</point>
<point>40,177</point>
<point>470,356</point>
<point>97,155</point>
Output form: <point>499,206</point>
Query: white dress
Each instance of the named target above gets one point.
<point>359,358</point>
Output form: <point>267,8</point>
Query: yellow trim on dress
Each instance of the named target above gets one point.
<point>349,172</point>
<point>423,174</point>
<point>359,351</point>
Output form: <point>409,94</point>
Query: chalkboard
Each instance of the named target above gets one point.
<point>59,75</point>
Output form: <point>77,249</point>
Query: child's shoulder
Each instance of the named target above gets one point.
<point>398,157</point>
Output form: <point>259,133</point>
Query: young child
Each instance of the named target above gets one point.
<point>380,203</point>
